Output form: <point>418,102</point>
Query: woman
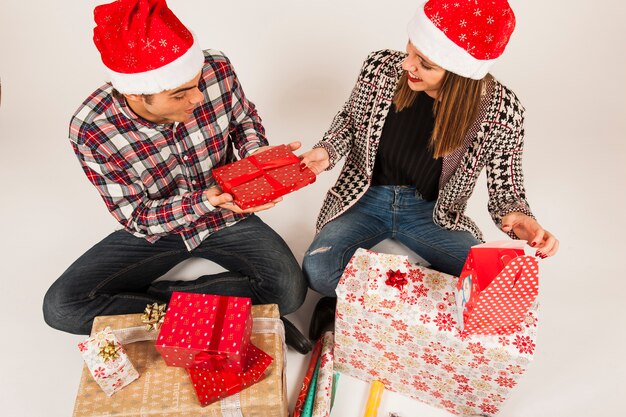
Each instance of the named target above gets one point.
<point>416,132</point>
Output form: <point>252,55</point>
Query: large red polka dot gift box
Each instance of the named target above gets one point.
<point>263,177</point>
<point>205,331</point>
<point>496,288</point>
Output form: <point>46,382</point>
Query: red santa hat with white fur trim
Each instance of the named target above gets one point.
<point>462,36</point>
<point>144,46</point>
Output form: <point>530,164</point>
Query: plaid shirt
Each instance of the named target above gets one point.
<point>153,177</point>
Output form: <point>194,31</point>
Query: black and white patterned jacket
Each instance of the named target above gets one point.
<point>495,141</point>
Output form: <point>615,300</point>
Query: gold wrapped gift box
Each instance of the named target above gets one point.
<point>167,391</point>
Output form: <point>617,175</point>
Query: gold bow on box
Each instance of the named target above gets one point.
<point>153,316</point>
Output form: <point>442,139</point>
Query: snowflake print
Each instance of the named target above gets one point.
<point>444,321</point>
<point>424,318</point>
<point>82,346</point>
<point>448,404</point>
<point>148,45</point>
<point>477,12</point>
<point>175,49</point>
<point>131,45</point>
<point>379,346</point>
<point>416,275</point>
<point>456,4</point>
<point>420,386</point>
<point>349,271</point>
<point>357,364</point>
<point>425,304</point>
<point>530,321</point>
<point>437,394</point>
<point>448,368</point>
<point>445,6</point>
<point>489,38</point>
<point>474,33</point>
<point>362,337</point>
<point>389,304</point>
<point>476,348</point>
<point>353,285</point>
<point>504,341</point>
<point>515,369</point>
<point>496,398</point>
<point>463,23</point>
<point>488,408</point>
<point>524,344</point>
<point>351,298</point>
<point>449,298</point>
<point>420,291</point>
<point>391,356</point>
<point>163,42</point>
<point>490,20</point>
<point>436,19</point>
<point>466,389</point>
<point>486,378</point>
<point>435,281</point>
<point>399,325</point>
<point>462,37</point>
<point>442,307</point>
<point>403,338</point>
<point>505,382</point>
<point>431,359</point>
<point>130,60</point>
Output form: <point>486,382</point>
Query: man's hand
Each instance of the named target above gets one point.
<point>527,228</point>
<point>217,198</point>
<point>317,160</point>
<point>293,146</point>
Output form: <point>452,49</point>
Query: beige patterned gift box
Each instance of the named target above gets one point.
<point>396,323</point>
<point>166,391</point>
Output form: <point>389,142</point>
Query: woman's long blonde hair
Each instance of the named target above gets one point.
<point>455,109</point>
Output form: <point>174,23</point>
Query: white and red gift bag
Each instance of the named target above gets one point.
<point>397,323</point>
<point>496,288</point>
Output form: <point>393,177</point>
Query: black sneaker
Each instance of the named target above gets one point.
<point>295,339</point>
<point>323,319</point>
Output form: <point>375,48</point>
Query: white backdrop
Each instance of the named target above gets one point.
<point>298,61</point>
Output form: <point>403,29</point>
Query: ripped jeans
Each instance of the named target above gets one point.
<point>395,212</point>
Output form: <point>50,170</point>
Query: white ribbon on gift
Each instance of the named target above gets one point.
<point>231,405</point>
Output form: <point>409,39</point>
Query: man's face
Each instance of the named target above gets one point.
<point>175,105</point>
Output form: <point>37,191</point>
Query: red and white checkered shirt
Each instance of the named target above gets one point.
<point>152,177</point>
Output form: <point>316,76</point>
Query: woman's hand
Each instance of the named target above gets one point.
<point>317,160</point>
<point>527,228</point>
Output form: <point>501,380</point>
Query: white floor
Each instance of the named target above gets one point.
<point>298,63</point>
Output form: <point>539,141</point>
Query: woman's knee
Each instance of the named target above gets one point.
<point>320,271</point>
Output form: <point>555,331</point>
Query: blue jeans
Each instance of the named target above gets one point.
<point>116,275</point>
<point>384,212</point>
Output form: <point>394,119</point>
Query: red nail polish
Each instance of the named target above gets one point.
<point>532,244</point>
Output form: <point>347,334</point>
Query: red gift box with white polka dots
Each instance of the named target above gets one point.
<point>212,386</point>
<point>206,331</point>
<point>263,177</point>
<point>496,288</point>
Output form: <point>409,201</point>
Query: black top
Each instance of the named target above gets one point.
<point>404,156</point>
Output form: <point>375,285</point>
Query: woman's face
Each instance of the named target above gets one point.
<point>422,74</point>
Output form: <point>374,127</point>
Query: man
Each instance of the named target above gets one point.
<point>148,142</point>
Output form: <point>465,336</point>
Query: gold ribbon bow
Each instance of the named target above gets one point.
<point>109,352</point>
<point>153,316</point>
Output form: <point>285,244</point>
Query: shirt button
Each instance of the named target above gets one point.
<point>194,182</point>
<point>186,157</point>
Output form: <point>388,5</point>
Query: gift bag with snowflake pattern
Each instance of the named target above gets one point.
<point>396,323</point>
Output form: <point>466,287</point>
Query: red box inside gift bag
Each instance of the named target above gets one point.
<point>496,288</point>
<point>263,177</point>
<point>206,331</point>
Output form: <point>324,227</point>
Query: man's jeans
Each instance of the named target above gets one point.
<point>384,212</point>
<point>116,275</point>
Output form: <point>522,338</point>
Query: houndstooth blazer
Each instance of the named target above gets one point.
<point>494,142</point>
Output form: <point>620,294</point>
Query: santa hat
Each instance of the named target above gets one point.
<point>144,46</point>
<point>462,36</point>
